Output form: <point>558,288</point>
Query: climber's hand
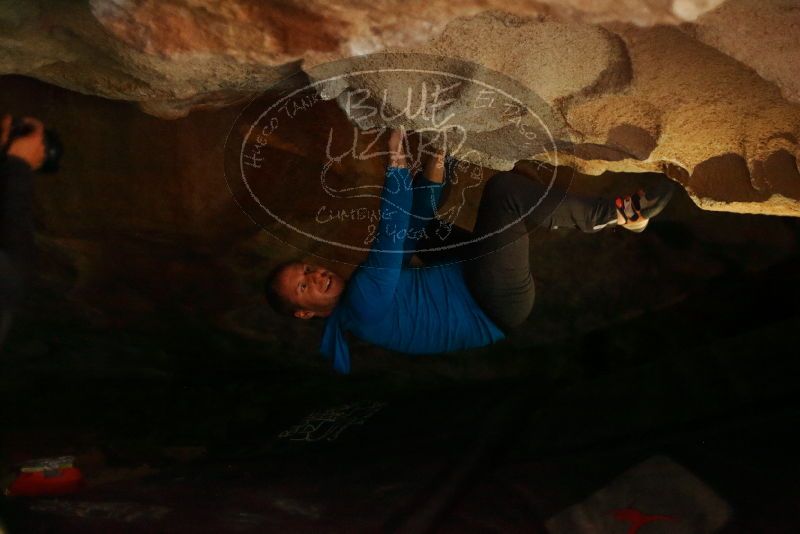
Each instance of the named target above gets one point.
<point>396,146</point>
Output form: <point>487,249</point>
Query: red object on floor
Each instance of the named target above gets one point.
<point>60,481</point>
<point>637,519</point>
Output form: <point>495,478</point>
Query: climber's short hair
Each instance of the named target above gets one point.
<point>278,302</point>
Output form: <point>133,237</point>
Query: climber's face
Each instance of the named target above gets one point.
<point>312,289</point>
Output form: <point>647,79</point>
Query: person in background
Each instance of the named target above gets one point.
<point>20,157</point>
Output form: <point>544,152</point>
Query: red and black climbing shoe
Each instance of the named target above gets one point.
<point>635,211</point>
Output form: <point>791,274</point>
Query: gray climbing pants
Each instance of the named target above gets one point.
<point>497,261</point>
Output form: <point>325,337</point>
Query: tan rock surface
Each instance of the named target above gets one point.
<point>709,103</point>
<point>173,55</point>
<point>634,99</point>
<point>765,36</point>
<point>700,107</point>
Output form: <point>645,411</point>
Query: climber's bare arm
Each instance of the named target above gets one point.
<point>434,167</point>
<point>397,148</point>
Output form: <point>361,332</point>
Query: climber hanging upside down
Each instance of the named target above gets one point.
<point>451,306</point>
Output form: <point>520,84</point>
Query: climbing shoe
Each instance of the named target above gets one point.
<point>635,211</point>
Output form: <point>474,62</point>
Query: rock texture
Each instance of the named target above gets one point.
<point>175,55</point>
<point>765,36</point>
<point>688,111</point>
<point>711,100</point>
<point>636,99</point>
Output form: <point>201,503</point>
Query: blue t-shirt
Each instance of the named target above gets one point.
<point>412,310</point>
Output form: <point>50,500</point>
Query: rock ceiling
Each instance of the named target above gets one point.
<point>705,91</point>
